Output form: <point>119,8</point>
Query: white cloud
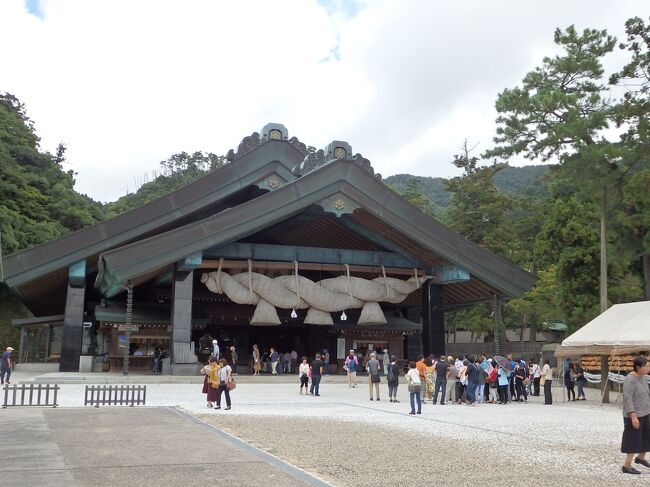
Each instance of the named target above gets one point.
<point>126,84</point>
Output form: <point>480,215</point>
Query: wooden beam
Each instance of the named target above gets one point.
<point>289,266</point>
<point>289,253</point>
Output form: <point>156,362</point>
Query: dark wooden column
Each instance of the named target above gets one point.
<point>73,320</point>
<point>181,315</point>
<point>433,319</point>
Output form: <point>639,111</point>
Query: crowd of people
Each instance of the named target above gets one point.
<point>273,361</point>
<point>276,362</point>
<point>457,380</point>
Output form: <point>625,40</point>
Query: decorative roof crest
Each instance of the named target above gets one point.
<point>274,131</point>
<point>248,144</point>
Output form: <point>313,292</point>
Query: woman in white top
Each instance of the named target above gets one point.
<point>225,376</point>
<point>536,374</point>
<point>414,386</point>
<point>303,375</point>
<point>547,373</point>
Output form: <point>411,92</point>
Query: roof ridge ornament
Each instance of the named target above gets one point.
<point>302,148</point>
<point>248,144</point>
<point>334,151</point>
<point>312,160</point>
<point>366,165</point>
<point>271,131</point>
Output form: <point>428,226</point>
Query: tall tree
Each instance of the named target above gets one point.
<point>477,209</point>
<point>633,113</point>
<point>560,112</point>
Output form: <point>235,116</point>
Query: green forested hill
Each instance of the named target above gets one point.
<point>179,170</point>
<point>37,197</point>
<point>513,181</point>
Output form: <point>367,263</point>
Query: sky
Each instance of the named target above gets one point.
<point>127,83</point>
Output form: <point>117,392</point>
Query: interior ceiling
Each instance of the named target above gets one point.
<point>313,228</point>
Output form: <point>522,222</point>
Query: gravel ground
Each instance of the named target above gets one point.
<point>518,444</point>
<point>386,456</point>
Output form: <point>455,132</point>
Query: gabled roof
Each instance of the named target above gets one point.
<point>344,180</point>
<point>271,157</point>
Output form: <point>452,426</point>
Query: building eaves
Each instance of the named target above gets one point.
<point>272,157</point>
<point>340,177</point>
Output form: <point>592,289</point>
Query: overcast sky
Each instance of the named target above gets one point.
<point>126,83</point>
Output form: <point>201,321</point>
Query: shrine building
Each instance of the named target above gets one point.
<point>281,247</point>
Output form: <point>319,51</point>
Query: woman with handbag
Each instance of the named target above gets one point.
<point>224,376</point>
<point>209,370</point>
<point>414,386</point>
<point>303,375</point>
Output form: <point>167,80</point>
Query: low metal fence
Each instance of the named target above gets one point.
<point>43,395</point>
<point>118,395</point>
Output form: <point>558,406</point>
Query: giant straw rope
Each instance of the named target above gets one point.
<point>319,298</point>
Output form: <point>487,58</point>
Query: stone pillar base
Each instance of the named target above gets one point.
<point>86,363</point>
<point>186,369</point>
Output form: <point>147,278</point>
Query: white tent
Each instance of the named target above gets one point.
<point>622,329</point>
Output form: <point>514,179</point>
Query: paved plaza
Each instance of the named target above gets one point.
<point>340,437</point>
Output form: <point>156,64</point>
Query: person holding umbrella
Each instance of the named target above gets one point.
<point>504,372</point>
<point>502,381</point>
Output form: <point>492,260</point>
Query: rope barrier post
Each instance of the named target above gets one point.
<point>618,364</point>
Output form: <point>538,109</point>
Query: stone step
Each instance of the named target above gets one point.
<point>113,378</point>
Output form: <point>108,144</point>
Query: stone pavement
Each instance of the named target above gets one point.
<point>575,441</point>
<point>130,446</point>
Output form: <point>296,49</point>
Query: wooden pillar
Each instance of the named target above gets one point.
<point>604,378</point>
<point>433,319</point>
<point>72,332</point>
<point>181,319</point>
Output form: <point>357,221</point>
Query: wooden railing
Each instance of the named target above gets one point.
<point>118,395</point>
<point>43,395</point>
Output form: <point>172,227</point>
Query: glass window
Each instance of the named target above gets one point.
<point>56,339</point>
<point>41,343</point>
<point>88,339</point>
<point>34,343</point>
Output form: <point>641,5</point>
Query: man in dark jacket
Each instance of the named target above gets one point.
<point>316,368</point>
<point>5,365</point>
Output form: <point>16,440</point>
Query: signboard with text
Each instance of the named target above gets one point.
<point>340,348</point>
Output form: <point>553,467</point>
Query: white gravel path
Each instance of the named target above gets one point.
<point>573,443</point>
